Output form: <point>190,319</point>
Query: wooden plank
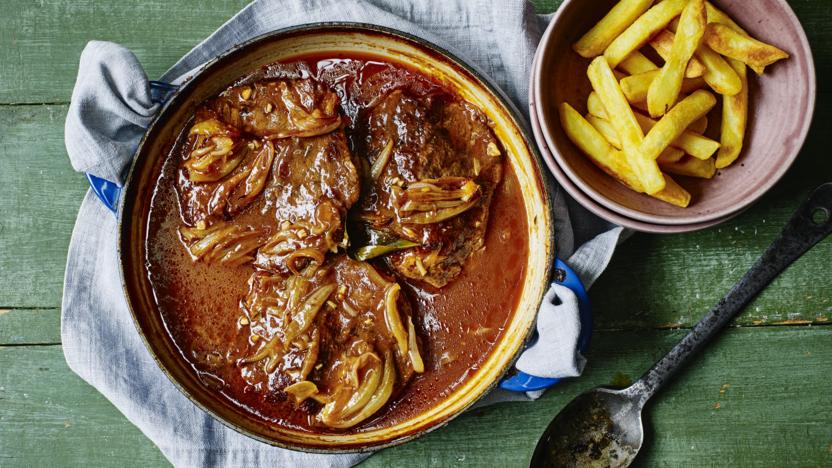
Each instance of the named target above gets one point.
<point>50,417</point>
<point>776,409</point>
<point>44,39</point>
<point>41,195</point>
<point>30,326</point>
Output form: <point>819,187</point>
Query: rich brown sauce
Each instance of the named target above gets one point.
<point>459,324</point>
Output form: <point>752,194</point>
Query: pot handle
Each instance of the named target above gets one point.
<point>107,191</point>
<point>522,382</point>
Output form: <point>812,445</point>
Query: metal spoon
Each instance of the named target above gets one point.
<point>603,427</point>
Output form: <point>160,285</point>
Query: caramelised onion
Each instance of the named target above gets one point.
<point>392,319</point>
<point>225,243</point>
<point>302,390</point>
<point>272,351</point>
<point>435,200</point>
<point>381,160</point>
<point>310,358</point>
<point>256,175</point>
<point>303,318</point>
<point>365,391</point>
<point>372,251</point>
<point>209,127</point>
<point>212,158</point>
<point>313,254</point>
<point>413,352</point>
<point>430,217</point>
<point>304,122</point>
<point>383,390</point>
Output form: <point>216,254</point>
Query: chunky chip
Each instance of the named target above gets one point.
<point>650,23</point>
<point>730,43</point>
<point>625,124</point>
<point>621,16</point>
<point>703,50</point>
<point>612,161</point>
<point>662,43</point>
<point>734,120</point>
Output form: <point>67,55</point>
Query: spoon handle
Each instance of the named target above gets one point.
<point>809,225</point>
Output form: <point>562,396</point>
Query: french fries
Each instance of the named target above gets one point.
<point>703,50</point>
<point>715,15</point>
<point>621,16</point>
<point>612,161</point>
<point>662,43</point>
<point>605,128</point>
<point>692,143</point>
<point>636,63</point>
<point>718,74</point>
<point>625,124</point>
<point>752,52</point>
<point>734,119</point>
<point>689,141</point>
<point>635,86</point>
<point>691,167</point>
<point>635,36</point>
<point>674,123</point>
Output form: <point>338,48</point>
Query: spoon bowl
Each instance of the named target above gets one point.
<point>600,426</point>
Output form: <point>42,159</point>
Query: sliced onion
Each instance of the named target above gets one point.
<point>413,353</point>
<point>378,399</point>
<point>392,319</point>
<point>430,217</point>
<point>303,318</point>
<point>381,160</point>
<point>373,251</point>
<point>364,392</point>
<point>314,254</point>
<point>207,127</point>
<point>302,390</point>
<point>311,356</point>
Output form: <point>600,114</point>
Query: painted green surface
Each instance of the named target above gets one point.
<point>755,396</point>
<point>776,411</point>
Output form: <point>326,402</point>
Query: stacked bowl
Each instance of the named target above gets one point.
<point>780,113</point>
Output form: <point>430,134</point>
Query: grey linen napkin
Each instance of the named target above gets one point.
<point>109,111</point>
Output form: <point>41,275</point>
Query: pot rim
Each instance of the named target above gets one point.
<point>545,183</point>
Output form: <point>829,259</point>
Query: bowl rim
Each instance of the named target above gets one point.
<point>711,218</point>
<point>545,185</point>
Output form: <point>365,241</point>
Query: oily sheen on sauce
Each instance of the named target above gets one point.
<point>457,324</point>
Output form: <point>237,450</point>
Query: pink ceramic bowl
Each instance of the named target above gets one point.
<point>781,107</point>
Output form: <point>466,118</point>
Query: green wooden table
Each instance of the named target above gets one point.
<point>759,396</point>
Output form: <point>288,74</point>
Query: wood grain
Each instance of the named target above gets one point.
<point>30,326</point>
<point>41,196</point>
<point>758,394</point>
<point>43,40</point>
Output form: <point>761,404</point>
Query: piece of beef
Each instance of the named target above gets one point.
<point>327,328</point>
<point>279,108</point>
<point>314,182</point>
<point>434,164</point>
<point>221,171</point>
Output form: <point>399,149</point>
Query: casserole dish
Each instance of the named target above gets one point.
<point>391,46</point>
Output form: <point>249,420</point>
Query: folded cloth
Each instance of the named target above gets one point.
<point>111,106</point>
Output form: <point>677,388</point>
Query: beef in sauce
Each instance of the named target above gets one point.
<point>280,177</point>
